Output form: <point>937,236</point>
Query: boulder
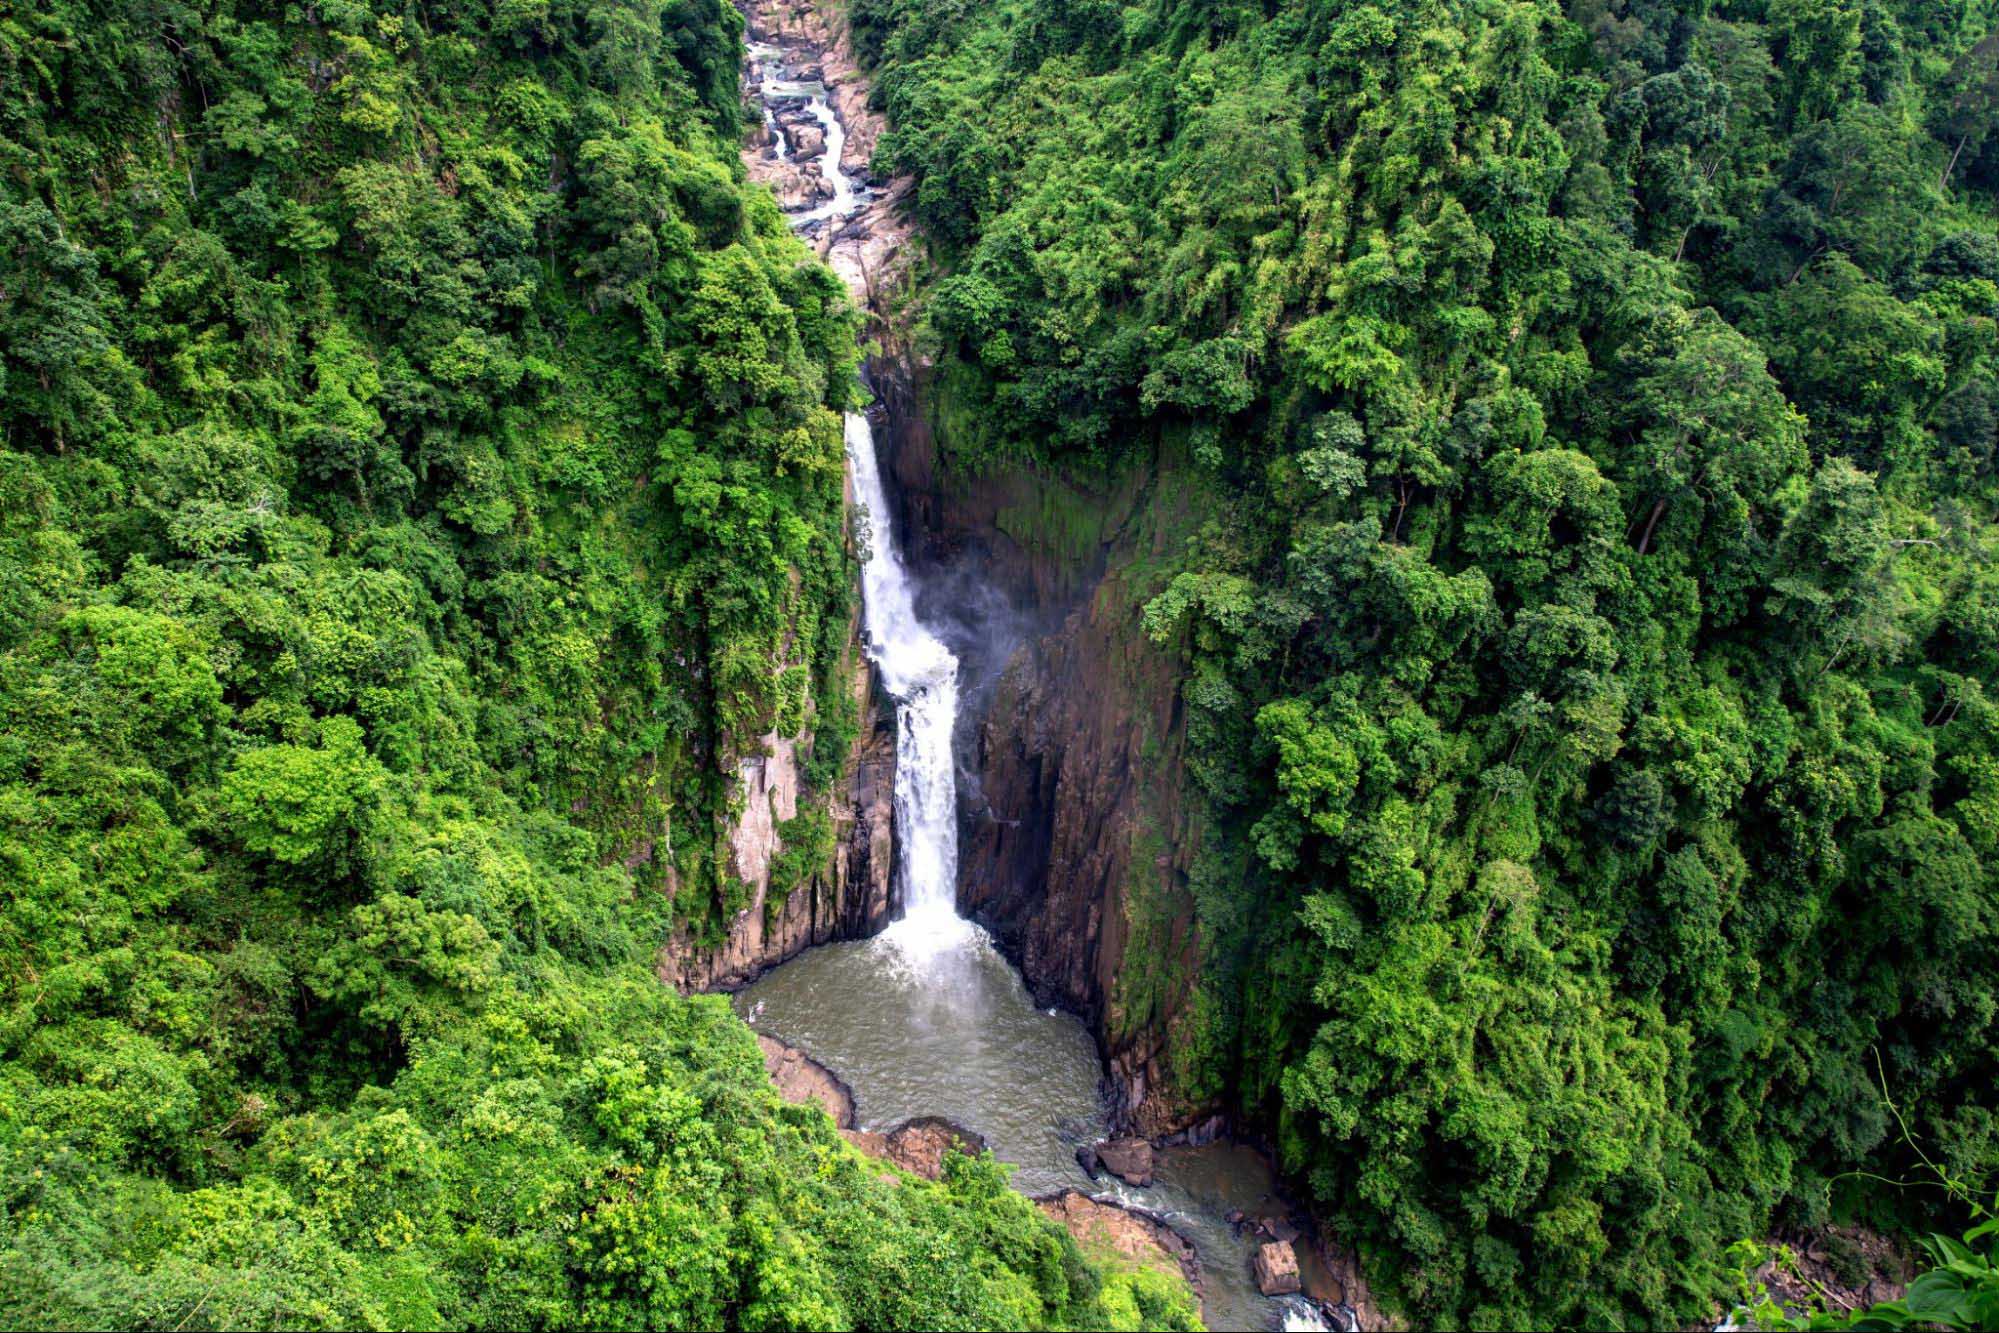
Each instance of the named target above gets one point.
<point>1086,1157</point>
<point>1275,1266</point>
<point>1130,1160</point>
<point>1278,1228</point>
<point>795,187</point>
<point>807,141</point>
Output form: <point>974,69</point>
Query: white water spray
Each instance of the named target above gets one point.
<point>922,675</point>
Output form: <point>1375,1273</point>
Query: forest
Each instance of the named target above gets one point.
<point>1588,652</point>
<point>421,483</point>
<point>420,476</point>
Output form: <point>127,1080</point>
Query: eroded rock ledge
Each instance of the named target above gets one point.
<point>917,1146</point>
<point>1134,1233</point>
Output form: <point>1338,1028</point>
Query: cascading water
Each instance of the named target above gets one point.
<point>922,675</point>
<point>916,668</point>
<point>773,87</point>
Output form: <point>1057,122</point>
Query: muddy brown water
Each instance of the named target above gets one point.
<point>957,1035</point>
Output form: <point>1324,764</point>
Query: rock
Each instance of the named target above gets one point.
<point>807,141</point>
<point>801,1079</point>
<point>1199,1134</point>
<point>850,899</point>
<point>1853,1266</point>
<point>1133,1233</point>
<point>1052,853</point>
<point>796,187</point>
<point>1278,1229</point>
<point>917,1146</point>
<point>1335,1279</point>
<point>1234,1217</point>
<point>1130,1160</point>
<point>1086,1157</point>
<point>1275,1266</point>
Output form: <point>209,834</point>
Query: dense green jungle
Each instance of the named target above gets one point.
<point>421,483</point>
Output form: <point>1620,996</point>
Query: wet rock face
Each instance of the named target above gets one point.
<point>1078,855</point>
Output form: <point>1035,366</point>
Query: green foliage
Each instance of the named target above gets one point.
<point>419,486</point>
<point>1587,668</point>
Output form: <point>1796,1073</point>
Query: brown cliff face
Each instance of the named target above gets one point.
<point>851,898</point>
<point>1076,838</point>
<point>1079,858</point>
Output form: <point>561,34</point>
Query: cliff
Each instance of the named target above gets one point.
<point>853,894</point>
<point>1077,839</point>
<point>851,897</point>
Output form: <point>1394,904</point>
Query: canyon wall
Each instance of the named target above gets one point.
<point>852,897</point>
<point>1077,838</point>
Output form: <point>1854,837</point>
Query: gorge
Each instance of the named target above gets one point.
<point>1048,664</point>
<point>927,1018</point>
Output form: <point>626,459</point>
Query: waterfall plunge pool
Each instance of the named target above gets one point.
<point>955,1033</point>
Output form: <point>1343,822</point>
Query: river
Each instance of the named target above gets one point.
<point>928,1018</point>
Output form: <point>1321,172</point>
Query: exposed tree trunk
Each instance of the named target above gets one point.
<point>1651,524</point>
<point>1943,183</point>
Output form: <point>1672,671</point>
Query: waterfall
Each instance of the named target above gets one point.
<point>916,668</point>
<point>922,675</point>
